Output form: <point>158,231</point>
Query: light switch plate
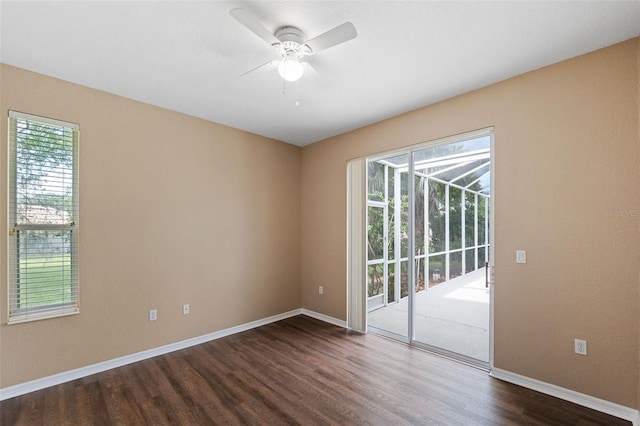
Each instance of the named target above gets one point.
<point>521,256</point>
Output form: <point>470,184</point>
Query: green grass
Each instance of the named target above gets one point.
<point>45,281</point>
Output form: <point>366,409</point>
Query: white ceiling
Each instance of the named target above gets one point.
<point>186,56</point>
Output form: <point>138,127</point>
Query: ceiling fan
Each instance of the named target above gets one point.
<point>289,41</point>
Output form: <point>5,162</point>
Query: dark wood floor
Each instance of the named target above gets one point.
<point>296,371</point>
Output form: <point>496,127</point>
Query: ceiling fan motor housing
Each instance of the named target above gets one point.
<point>289,33</point>
<point>291,39</point>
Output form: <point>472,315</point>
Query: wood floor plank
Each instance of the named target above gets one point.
<point>10,409</point>
<point>67,414</point>
<point>298,371</point>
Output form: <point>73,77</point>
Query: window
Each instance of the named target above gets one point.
<point>43,218</point>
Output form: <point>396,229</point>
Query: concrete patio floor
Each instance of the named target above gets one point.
<point>453,316</point>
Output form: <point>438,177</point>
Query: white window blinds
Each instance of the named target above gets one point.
<point>43,217</point>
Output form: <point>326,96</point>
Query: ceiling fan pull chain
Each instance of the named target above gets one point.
<point>297,92</point>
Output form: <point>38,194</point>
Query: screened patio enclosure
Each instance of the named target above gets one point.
<point>452,190</point>
<point>450,223</point>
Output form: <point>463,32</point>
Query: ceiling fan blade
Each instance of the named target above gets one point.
<point>272,63</point>
<point>250,21</point>
<point>339,34</point>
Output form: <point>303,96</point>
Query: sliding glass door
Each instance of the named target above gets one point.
<point>428,246</point>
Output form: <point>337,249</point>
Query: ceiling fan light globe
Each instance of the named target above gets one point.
<point>290,69</point>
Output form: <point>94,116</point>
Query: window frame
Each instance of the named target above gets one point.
<point>15,313</point>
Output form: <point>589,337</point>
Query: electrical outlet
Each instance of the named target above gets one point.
<point>581,346</point>
<point>153,314</point>
<point>320,290</point>
<point>186,309</point>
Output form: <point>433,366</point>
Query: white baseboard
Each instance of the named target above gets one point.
<point>56,379</point>
<point>323,317</point>
<point>598,404</point>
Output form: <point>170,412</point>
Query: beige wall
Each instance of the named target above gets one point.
<point>638,87</point>
<point>567,149</point>
<point>173,210</point>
